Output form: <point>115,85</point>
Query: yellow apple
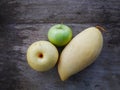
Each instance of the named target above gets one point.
<point>42,55</point>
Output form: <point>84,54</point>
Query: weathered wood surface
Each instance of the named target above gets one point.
<point>26,21</point>
<point>70,11</point>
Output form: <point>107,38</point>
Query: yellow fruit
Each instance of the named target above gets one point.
<point>42,56</point>
<point>80,52</point>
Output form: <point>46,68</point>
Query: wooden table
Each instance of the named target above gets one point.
<point>23,22</point>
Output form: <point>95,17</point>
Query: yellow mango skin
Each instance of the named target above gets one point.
<point>82,50</point>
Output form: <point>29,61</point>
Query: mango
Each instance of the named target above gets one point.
<point>82,51</point>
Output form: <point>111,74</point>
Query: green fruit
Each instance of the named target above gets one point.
<point>60,34</point>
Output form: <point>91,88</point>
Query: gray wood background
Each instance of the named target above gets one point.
<point>23,22</point>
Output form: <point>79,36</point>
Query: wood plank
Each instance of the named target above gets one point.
<point>23,22</point>
<point>15,73</point>
<point>52,11</point>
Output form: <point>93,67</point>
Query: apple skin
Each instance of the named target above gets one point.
<point>60,34</point>
<point>42,56</point>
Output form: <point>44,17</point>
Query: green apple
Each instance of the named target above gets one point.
<point>60,34</point>
<point>42,55</point>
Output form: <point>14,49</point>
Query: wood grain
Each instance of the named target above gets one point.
<point>52,11</point>
<point>23,22</point>
<point>14,40</point>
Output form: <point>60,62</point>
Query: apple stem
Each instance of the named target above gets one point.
<point>60,26</point>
